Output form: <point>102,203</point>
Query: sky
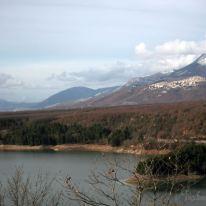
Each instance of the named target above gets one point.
<point>50,45</point>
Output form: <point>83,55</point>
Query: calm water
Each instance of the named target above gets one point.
<point>77,165</point>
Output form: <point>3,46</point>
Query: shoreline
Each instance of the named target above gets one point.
<point>178,179</point>
<point>133,149</point>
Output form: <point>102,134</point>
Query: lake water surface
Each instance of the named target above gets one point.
<point>77,165</point>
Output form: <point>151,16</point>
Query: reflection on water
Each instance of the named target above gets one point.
<point>78,165</point>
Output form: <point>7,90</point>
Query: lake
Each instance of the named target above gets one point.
<point>78,165</point>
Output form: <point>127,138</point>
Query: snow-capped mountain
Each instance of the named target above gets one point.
<point>141,81</point>
<point>185,84</point>
<point>196,68</point>
<point>202,60</point>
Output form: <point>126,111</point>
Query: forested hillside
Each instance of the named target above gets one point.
<point>115,125</point>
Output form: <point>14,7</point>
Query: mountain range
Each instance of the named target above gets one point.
<point>185,84</point>
<point>75,94</point>
<point>68,97</point>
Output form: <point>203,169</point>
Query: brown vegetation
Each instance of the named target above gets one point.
<point>154,126</point>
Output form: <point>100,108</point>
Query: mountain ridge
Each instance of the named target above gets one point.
<point>185,84</point>
<point>70,95</point>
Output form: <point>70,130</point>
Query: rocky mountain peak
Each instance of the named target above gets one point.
<point>202,59</point>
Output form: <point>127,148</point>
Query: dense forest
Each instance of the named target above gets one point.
<point>52,133</point>
<point>116,126</point>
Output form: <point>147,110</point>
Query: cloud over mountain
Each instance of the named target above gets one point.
<point>169,55</point>
<point>179,47</point>
<point>112,73</point>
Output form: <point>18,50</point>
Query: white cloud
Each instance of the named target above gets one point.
<point>169,55</point>
<point>174,62</point>
<point>115,73</point>
<point>36,81</point>
<point>8,81</point>
<point>4,78</point>
<point>181,47</point>
<point>63,76</point>
<point>141,50</point>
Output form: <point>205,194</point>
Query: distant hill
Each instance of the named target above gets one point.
<point>73,95</point>
<point>14,106</point>
<point>185,84</point>
<point>69,96</point>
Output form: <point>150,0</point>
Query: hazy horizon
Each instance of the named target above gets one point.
<point>50,45</point>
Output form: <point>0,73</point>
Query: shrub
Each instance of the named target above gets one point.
<point>116,138</point>
<point>189,159</point>
<point>119,136</point>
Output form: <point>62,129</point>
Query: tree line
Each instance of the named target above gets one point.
<point>51,133</point>
<point>115,126</point>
